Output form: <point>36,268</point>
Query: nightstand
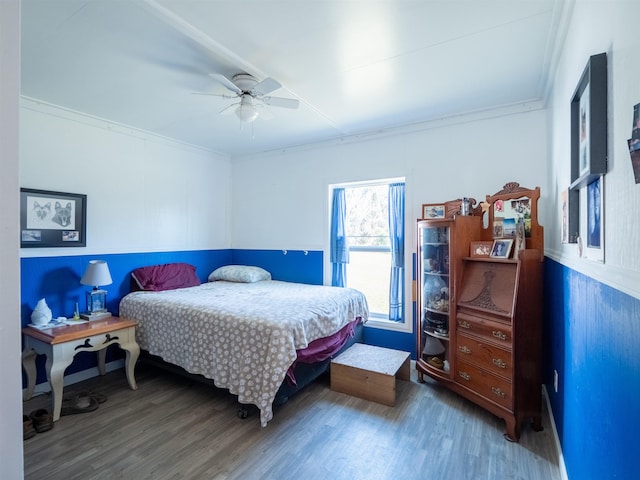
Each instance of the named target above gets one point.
<point>61,344</point>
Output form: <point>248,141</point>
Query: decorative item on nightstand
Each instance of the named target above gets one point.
<point>96,274</point>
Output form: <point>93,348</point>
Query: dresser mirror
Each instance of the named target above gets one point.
<point>509,205</point>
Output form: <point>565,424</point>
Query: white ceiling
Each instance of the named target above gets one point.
<point>356,66</point>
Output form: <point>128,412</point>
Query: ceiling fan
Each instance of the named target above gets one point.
<point>252,95</point>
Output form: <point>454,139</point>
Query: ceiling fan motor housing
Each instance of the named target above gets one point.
<point>244,81</point>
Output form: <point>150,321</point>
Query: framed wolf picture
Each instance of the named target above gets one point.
<point>52,219</point>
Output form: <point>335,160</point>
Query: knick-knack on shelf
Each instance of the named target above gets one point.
<point>41,315</point>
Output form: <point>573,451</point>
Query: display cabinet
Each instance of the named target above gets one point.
<point>484,340</point>
<point>442,243</point>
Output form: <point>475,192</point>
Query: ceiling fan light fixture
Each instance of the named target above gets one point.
<point>246,111</point>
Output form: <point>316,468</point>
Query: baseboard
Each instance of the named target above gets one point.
<point>561,465</point>
<point>44,387</point>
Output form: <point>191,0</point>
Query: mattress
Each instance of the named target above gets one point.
<point>243,336</point>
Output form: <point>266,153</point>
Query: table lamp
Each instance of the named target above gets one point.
<point>96,274</point>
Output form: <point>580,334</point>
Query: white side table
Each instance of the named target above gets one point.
<point>61,344</point>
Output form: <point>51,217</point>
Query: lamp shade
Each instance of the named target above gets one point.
<point>96,274</point>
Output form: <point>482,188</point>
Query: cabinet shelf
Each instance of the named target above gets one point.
<point>490,259</point>
<point>433,370</point>
<point>433,333</point>
<point>434,310</point>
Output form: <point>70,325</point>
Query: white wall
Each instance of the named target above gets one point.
<point>597,27</point>
<point>280,200</point>
<point>11,452</point>
<point>144,193</point>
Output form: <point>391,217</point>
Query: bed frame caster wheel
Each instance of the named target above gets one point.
<point>243,412</point>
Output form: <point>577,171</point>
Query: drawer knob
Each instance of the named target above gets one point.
<point>465,375</point>
<point>498,362</point>
<point>464,324</point>
<point>498,392</point>
<point>499,334</point>
<point>464,349</point>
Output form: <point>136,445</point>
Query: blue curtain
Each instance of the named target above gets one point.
<point>396,235</point>
<point>339,253</point>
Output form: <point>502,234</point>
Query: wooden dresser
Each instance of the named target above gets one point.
<point>491,353</point>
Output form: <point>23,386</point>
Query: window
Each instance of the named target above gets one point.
<point>367,231</point>
<point>368,266</point>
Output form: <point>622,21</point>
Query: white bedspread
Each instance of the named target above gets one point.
<point>244,336</point>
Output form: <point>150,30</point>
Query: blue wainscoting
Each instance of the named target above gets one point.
<point>390,339</point>
<point>592,339</point>
<point>57,279</point>
<point>286,265</point>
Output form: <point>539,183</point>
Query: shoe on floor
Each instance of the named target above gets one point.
<point>42,420</point>
<point>27,428</point>
<point>78,404</point>
<point>100,397</point>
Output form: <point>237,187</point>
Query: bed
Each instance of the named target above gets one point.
<point>248,333</point>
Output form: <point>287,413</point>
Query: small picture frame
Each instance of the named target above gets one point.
<point>501,248</point>
<point>433,210</point>
<point>498,229</point>
<point>480,249</point>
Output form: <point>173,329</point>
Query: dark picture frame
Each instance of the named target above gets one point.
<point>588,136</point>
<point>52,219</point>
<point>589,123</point>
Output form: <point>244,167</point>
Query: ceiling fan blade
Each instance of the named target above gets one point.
<point>230,110</point>
<point>225,82</point>
<point>222,95</point>
<point>267,85</point>
<point>281,102</point>
<point>265,113</point>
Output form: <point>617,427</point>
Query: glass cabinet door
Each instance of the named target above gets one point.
<point>434,242</point>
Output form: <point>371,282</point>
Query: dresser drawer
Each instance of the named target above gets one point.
<point>93,343</point>
<point>495,332</point>
<point>484,383</point>
<point>484,355</point>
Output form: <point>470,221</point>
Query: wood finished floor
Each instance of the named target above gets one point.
<point>175,428</point>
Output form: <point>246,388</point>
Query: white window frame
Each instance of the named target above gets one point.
<point>406,326</point>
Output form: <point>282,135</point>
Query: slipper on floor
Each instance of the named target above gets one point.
<point>78,404</point>
<point>42,420</point>
<point>100,397</point>
<point>27,428</point>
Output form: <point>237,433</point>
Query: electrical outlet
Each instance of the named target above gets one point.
<point>555,380</point>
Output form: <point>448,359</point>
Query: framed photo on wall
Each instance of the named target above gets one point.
<point>589,123</point>
<point>592,220</point>
<point>52,219</point>
<point>588,142</point>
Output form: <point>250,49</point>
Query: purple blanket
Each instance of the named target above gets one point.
<point>322,348</point>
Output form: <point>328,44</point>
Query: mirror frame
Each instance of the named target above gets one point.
<point>513,191</point>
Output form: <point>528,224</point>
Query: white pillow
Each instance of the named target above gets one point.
<point>239,273</point>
